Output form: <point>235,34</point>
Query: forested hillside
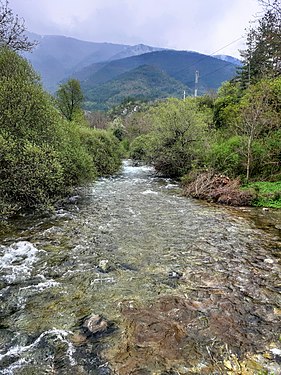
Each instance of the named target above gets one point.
<point>103,84</point>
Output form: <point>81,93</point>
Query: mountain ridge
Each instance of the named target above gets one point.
<point>56,57</point>
<point>109,71</point>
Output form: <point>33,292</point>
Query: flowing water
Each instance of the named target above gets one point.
<point>133,278</point>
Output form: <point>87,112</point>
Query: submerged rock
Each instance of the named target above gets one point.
<point>95,324</point>
<point>174,333</point>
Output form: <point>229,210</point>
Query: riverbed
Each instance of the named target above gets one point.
<point>173,285</point>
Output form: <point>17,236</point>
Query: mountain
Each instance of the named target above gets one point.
<point>180,65</point>
<point>111,72</point>
<point>58,57</point>
<point>229,59</point>
<point>105,81</point>
<point>145,82</point>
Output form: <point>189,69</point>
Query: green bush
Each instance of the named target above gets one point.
<point>104,149</point>
<point>77,163</point>
<point>42,155</point>
<point>30,176</point>
<point>139,148</point>
<point>178,136</point>
<point>225,156</point>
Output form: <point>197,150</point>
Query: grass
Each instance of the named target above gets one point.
<point>268,194</point>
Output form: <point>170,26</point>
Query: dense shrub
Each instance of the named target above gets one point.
<point>104,149</point>
<point>42,155</point>
<point>29,175</point>
<point>139,148</point>
<point>177,138</point>
<point>225,156</point>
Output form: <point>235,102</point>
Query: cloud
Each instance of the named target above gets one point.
<point>201,25</point>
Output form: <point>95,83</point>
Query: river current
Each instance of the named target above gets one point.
<point>133,278</point>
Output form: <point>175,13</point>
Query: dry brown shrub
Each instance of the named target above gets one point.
<point>218,188</point>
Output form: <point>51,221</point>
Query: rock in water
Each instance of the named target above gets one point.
<point>95,324</point>
<point>104,266</point>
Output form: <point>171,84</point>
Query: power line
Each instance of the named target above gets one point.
<point>206,56</point>
<point>229,44</point>
<point>209,73</point>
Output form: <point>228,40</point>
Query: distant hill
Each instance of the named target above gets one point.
<point>145,82</point>
<point>103,83</point>
<point>58,57</point>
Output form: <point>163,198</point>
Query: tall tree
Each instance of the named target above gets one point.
<point>262,57</point>
<point>69,98</point>
<point>12,30</point>
<point>259,117</point>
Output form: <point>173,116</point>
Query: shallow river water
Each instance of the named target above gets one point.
<point>133,278</point>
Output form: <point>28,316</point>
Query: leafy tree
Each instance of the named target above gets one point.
<point>178,136</point>
<point>104,149</point>
<point>69,98</point>
<point>225,106</point>
<point>26,110</point>
<point>41,158</point>
<point>12,30</point>
<point>259,117</point>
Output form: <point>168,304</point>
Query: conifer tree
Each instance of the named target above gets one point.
<point>262,56</point>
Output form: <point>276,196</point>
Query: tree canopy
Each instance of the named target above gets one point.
<point>69,98</point>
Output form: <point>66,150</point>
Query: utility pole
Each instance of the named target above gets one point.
<point>183,94</point>
<point>196,83</point>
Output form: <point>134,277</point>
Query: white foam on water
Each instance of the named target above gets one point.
<point>276,351</point>
<point>146,192</point>
<point>16,261</point>
<point>41,286</point>
<point>11,369</point>
<point>18,350</point>
<point>171,186</point>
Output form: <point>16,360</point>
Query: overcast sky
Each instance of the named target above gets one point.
<point>199,25</point>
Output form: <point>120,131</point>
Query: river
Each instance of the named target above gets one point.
<point>133,278</point>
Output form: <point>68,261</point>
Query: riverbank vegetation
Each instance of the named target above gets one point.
<point>44,154</point>
<point>235,133</point>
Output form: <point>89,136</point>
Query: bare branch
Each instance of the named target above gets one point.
<point>12,30</point>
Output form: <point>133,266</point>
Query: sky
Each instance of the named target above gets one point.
<point>204,26</point>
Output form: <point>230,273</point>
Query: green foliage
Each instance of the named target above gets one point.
<point>225,106</point>
<point>139,148</point>
<point>30,175</point>
<point>104,149</point>
<point>117,128</point>
<point>225,156</point>
<point>262,57</point>
<point>269,193</point>
<point>69,98</point>
<point>77,164</point>
<point>178,134</point>
<point>42,155</point>
<point>13,65</point>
